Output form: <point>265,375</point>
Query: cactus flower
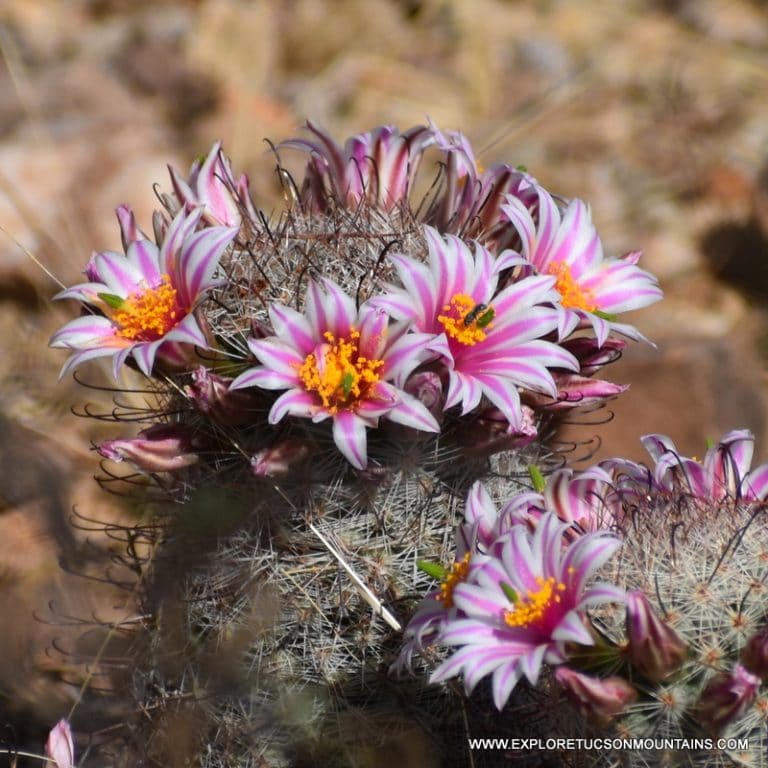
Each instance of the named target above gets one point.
<point>491,343</point>
<point>521,607</point>
<point>723,474</point>
<point>592,289</point>
<point>146,298</point>
<point>377,167</point>
<point>342,364</point>
<point>212,185</point>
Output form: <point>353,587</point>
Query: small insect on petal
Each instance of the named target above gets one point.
<point>485,319</point>
<point>539,483</point>
<point>473,313</point>
<point>111,300</point>
<point>509,592</point>
<point>347,382</point>
<point>435,570</point>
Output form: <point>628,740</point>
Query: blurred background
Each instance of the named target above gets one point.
<point>654,112</point>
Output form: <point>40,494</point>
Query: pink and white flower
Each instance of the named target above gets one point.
<point>491,343</point>
<point>723,474</point>
<point>377,167</point>
<point>521,606</point>
<point>144,299</point>
<point>482,526</point>
<point>212,185</point>
<point>592,289</point>
<point>340,363</point>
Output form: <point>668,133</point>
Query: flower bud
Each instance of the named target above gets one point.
<point>212,185</point>
<point>655,649</point>
<point>574,390</point>
<point>59,747</point>
<point>428,389</point>
<point>490,432</point>
<point>210,395</point>
<point>280,459</point>
<point>601,699</point>
<point>161,448</point>
<point>726,697</point>
<point>755,654</point>
<point>591,355</point>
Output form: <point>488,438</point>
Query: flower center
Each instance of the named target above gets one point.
<point>148,315</point>
<point>457,573</point>
<point>534,606</point>
<point>572,295</point>
<point>466,321</point>
<point>338,373</point>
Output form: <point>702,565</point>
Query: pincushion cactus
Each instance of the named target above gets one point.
<point>324,390</point>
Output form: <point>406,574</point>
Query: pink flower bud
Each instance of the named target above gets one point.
<point>428,389</point>
<point>591,356</point>
<point>280,459</point>
<point>210,395</point>
<point>655,649</point>
<point>490,432</point>
<point>726,697</point>
<point>212,185</point>
<point>129,230</point>
<point>59,746</point>
<point>600,699</point>
<point>161,448</point>
<point>574,390</point>
<point>755,654</point>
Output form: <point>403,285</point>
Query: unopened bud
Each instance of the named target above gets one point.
<point>726,697</point>
<point>591,355</point>
<point>601,699</point>
<point>755,654</point>
<point>161,448</point>
<point>280,459</point>
<point>210,395</point>
<point>574,390</point>
<point>427,388</point>
<point>59,747</point>
<point>655,649</point>
<point>490,432</point>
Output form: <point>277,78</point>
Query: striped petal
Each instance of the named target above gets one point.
<point>349,434</point>
<point>198,261</point>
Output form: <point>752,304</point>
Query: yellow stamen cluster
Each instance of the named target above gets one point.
<point>531,608</point>
<point>342,377</point>
<point>457,573</point>
<point>572,295</point>
<point>148,315</point>
<point>459,307</point>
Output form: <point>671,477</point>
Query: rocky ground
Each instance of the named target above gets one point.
<point>655,112</point>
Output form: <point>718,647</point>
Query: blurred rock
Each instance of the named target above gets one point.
<point>693,390</point>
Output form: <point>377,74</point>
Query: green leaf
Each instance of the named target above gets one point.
<point>509,592</point>
<point>522,168</point>
<point>435,570</point>
<point>111,300</point>
<point>605,315</point>
<point>539,483</point>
